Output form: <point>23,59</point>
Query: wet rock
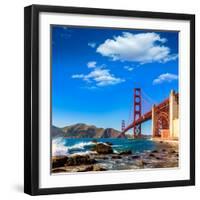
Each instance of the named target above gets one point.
<point>140,163</point>
<point>159,165</point>
<point>58,170</point>
<point>135,157</point>
<point>152,155</point>
<point>154,151</point>
<point>59,161</point>
<point>172,151</point>
<point>105,158</point>
<point>116,156</point>
<point>102,157</point>
<point>79,160</point>
<point>128,152</point>
<point>85,168</point>
<point>103,148</point>
<point>144,162</point>
<point>158,158</point>
<point>98,168</point>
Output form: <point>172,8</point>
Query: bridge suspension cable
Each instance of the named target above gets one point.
<point>147,102</point>
<point>148,97</point>
<point>130,116</point>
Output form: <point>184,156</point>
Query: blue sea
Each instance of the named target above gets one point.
<point>68,146</point>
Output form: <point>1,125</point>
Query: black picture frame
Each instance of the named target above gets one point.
<point>31,98</point>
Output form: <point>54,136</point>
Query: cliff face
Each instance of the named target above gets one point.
<point>84,131</point>
<point>55,131</point>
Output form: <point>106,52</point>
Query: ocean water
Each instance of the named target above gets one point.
<point>68,146</point>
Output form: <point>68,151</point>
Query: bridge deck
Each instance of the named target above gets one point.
<point>146,116</point>
<point>143,118</point>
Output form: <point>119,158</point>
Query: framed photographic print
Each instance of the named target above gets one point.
<point>109,100</point>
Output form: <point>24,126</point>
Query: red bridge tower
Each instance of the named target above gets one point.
<point>123,125</point>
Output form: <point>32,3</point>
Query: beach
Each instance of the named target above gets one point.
<point>105,155</point>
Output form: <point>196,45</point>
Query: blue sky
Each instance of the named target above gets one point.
<point>94,72</point>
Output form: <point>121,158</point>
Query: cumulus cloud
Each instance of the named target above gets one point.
<point>78,76</point>
<point>101,77</point>
<point>141,48</point>
<point>165,78</point>
<point>92,44</point>
<point>91,64</point>
<point>128,68</point>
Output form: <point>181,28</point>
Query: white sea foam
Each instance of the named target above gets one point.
<point>84,153</point>
<point>117,145</point>
<point>80,145</point>
<point>60,148</point>
<point>115,151</point>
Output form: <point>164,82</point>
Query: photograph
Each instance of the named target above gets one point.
<point>109,99</point>
<point>114,99</point>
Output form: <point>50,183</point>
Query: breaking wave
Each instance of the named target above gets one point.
<point>60,147</point>
<point>81,145</point>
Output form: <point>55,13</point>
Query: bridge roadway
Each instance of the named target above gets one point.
<point>146,116</point>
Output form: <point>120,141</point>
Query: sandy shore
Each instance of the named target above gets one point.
<point>165,155</point>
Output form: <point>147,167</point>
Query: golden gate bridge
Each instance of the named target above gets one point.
<point>164,116</point>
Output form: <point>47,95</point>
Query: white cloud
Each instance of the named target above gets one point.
<point>92,44</point>
<point>91,64</point>
<point>128,68</point>
<point>101,77</point>
<point>78,76</point>
<point>172,57</point>
<point>165,78</point>
<point>91,87</point>
<point>141,48</point>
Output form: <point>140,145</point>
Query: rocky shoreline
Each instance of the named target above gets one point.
<point>103,158</point>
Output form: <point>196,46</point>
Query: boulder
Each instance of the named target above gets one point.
<point>59,161</point>
<point>172,151</point>
<point>152,155</point>
<point>135,157</point>
<point>140,163</point>
<point>58,170</point>
<point>79,160</point>
<point>154,151</point>
<point>116,156</point>
<point>98,168</point>
<point>128,152</point>
<point>85,168</point>
<point>158,158</point>
<point>101,156</point>
<point>103,148</point>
